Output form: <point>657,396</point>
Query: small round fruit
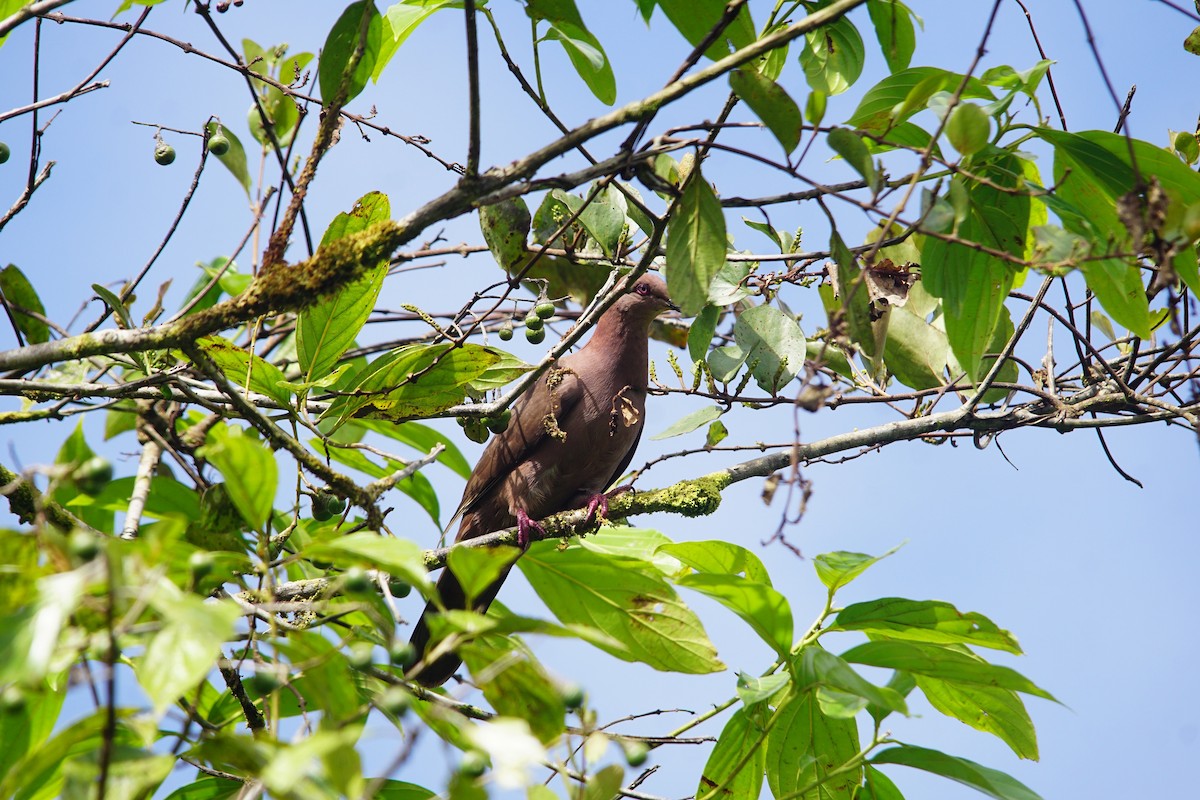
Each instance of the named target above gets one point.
<point>533,322</point>
<point>319,512</point>
<point>333,504</point>
<point>544,309</point>
<point>535,337</point>
<point>356,581</point>
<point>4,152</point>
<point>395,701</point>
<point>399,588</point>
<point>83,545</point>
<point>263,683</point>
<point>218,144</point>
<point>93,475</point>
<point>499,423</point>
<point>636,753</point>
<point>474,763</point>
<point>201,564</point>
<point>463,421</point>
<point>402,654</point>
<point>476,431</point>
<point>572,696</point>
<point>163,153</point>
<point>506,332</point>
<point>360,655</point>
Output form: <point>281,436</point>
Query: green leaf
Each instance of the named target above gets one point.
<point>773,345</point>
<point>701,333</point>
<point>246,369</point>
<point>423,439</point>
<point>805,746</point>
<point>281,115</point>
<point>752,690</point>
<point>695,244</point>
<point>416,486</point>
<point>815,665</point>
<point>515,684</point>
<point>915,352</point>
<point>893,23</point>
<point>839,568</point>
<point>324,330</point>
<point>343,39</point>
<point>771,104</point>
<point>477,567</point>
<point>641,544</point>
<point>972,283</point>
<point>690,422</point>
<point>250,471</point>
<point>900,95</point>
<point>944,663</point>
<point>766,611</point>
<point>1192,42</point>
<point>18,291</point>
<point>505,227</point>
<point>735,767</point>
<point>999,712</point>
<point>931,621</point>
<point>402,790</point>
<point>114,304</point>
<point>626,598</point>
<point>234,158</point>
<point>989,781</point>
<point>587,56</point>
<point>208,787</point>
<point>849,145</point>
<point>716,557</point>
<point>695,19</point>
<point>24,730</point>
<point>400,558</point>
<point>186,647</point>
<point>604,218</point>
<point>414,381</point>
<point>399,22</point>
<point>877,786</point>
<point>833,57</point>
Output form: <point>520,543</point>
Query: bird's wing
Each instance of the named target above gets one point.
<point>527,431</point>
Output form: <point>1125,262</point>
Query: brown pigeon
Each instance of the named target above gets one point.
<point>572,435</point>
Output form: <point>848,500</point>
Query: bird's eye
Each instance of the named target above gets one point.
<point>642,289</point>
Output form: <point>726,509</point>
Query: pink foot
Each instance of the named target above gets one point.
<point>525,525</point>
<point>597,505</point>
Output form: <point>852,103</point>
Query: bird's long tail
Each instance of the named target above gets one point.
<point>438,671</point>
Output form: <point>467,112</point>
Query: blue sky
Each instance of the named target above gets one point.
<point>1094,576</point>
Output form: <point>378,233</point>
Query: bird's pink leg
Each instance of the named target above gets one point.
<point>524,526</point>
<point>597,505</point>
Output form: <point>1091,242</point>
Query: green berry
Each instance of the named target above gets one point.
<point>333,504</point>
<point>218,144</point>
<point>402,654</point>
<point>4,152</point>
<point>360,655</point>
<point>356,581</point>
<point>544,309</point>
<point>476,431</point>
<point>636,752</point>
<point>533,322</point>
<point>535,337</point>
<point>93,475</point>
<point>499,423</point>
<point>399,588</point>
<point>201,564</point>
<point>474,763</point>
<point>319,512</point>
<point>463,421</point>
<point>572,695</point>
<point>163,153</point>
<point>395,701</point>
<point>263,683</point>
<point>506,331</point>
<point>83,545</point>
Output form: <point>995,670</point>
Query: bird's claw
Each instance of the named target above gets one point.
<point>597,505</point>
<point>525,526</point>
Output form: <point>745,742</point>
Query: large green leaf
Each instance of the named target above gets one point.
<point>973,283</point>
<point>582,48</point>
<point>186,647</point>
<point>805,746</point>
<point>690,422</point>
<point>989,781</point>
<point>893,23</point>
<point>735,767</point>
<point>399,22</point>
<point>897,97</point>
<point>817,666</point>
<point>515,684</point>
<point>771,104</point>
<point>833,57</point>
<point>766,611</point>
<point>931,621</point>
<point>716,557</point>
<point>343,39</point>
<point>18,291</point>
<point>695,19</point>
<point>991,709</point>
<point>325,329</point>
<point>695,244</point>
<point>626,598</point>
<point>505,227</point>
<point>250,471</point>
<point>400,558</point>
<point>246,369</point>
<point>772,345</point>
<point>414,381</point>
<point>944,663</point>
<point>839,568</point>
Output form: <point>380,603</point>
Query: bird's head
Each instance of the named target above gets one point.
<point>646,299</point>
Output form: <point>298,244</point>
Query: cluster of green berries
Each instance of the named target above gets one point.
<point>535,322</point>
